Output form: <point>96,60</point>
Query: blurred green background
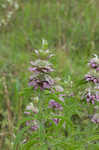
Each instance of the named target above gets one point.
<point>66,24</point>
<point>71,27</point>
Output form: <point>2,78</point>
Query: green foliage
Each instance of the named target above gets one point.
<point>72,29</point>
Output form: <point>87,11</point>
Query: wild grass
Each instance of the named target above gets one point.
<point>72,31</point>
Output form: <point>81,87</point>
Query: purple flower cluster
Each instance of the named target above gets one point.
<point>32,123</point>
<point>92,93</point>
<point>91,78</point>
<point>40,83</point>
<point>94,64</point>
<point>56,106</point>
<point>41,79</point>
<point>40,70</point>
<point>56,120</point>
<point>92,98</point>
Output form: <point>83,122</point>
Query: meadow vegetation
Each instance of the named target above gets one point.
<point>49,75</point>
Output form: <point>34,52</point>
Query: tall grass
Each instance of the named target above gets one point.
<point>72,30</point>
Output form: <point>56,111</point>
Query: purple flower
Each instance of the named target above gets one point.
<point>34,83</point>
<point>93,102</point>
<point>27,112</point>
<point>93,65</point>
<point>88,77</point>
<point>56,120</point>
<point>97,97</point>
<point>88,97</point>
<point>39,83</point>
<point>95,118</point>
<point>33,125</point>
<point>41,78</point>
<point>46,85</point>
<point>53,104</point>
<point>32,69</point>
<point>95,80</point>
<point>29,108</point>
<point>91,78</point>
<point>92,97</point>
<point>41,69</point>
<point>49,79</point>
<point>61,97</point>
<point>97,69</point>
